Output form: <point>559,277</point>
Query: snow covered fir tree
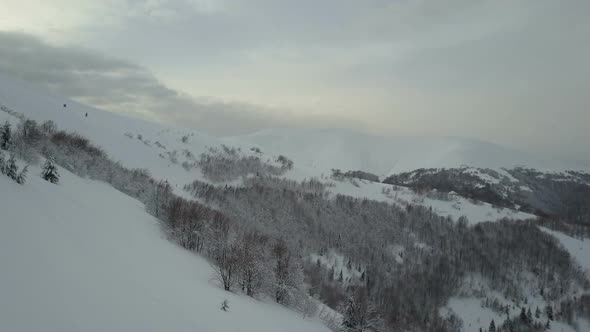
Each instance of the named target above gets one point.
<point>5,136</point>
<point>21,177</point>
<point>49,171</point>
<point>10,168</point>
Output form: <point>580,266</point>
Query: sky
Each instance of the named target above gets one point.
<point>511,72</point>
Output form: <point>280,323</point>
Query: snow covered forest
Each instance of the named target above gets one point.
<point>267,236</point>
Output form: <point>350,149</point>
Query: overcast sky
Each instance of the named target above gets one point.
<point>507,71</point>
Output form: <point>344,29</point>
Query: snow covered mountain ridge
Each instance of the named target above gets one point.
<point>278,222</point>
<point>316,149</point>
<point>559,194</point>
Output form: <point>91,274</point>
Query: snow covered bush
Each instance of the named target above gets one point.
<point>48,127</point>
<point>225,305</point>
<point>26,141</point>
<point>227,164</point>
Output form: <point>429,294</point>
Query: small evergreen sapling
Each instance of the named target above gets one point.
<point>492,326</point>
<point>21,178</point>
<point>5,136</point>
<point>2,164</point>
<point>12,168</point>
<point>49,172</point>
<point>225,305</point>
<point>529,315</point>
<point>523,316</point>
<point>549,312</point>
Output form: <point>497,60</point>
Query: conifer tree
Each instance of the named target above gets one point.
<point>6,136</point>
<point>508,323</point>
<point>21,178</point>
<point>549,312</point>
<point>523,316</point>
<point>2,164</point>
<point>49,172</point>
<point>12,168</point>
<point>225,305</point>
<point>537,313</point>
<point>529,315</point>
<point>492,326</point>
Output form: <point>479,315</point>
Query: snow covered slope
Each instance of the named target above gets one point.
<point>161,150</point>
<point>454,206</point>
<point>81,256</point>
<point>578,248</point>
<point>314,149</point>
<point>475,314</point>
<point>105,129</point>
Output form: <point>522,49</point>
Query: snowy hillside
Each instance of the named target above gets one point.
<point>479,312</point>
<point>279,182</point>
<point>301,215</point>
<point>161,150</point>
<point>578,248</point>
<point>442,204</point>
<point>314,150</point>
<point>81,256</point>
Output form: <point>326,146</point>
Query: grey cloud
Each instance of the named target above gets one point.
<point>121,86</point>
